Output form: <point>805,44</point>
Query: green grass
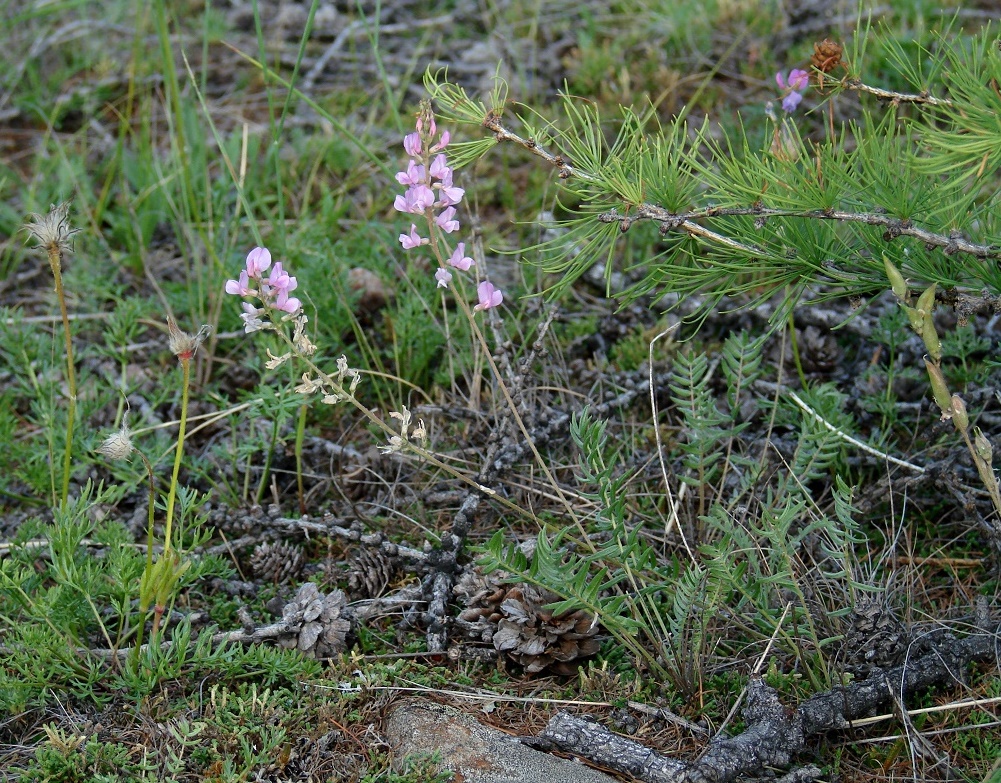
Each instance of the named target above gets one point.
<point>172,131</point>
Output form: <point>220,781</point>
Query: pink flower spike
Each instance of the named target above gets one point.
<point>258,260</point>
<point>240,287</point>
<point>489,295</point>
<point>459,259</point>
<point>411,240</point>
<point>446,221</point>
<point>443,276</point>
<point>412,144</point>
<point>286,303</point>
<point>780,80</point>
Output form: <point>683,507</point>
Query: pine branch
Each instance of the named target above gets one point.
<point>951,243</point>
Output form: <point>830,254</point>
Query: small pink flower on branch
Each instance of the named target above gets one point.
<point>489,295</point>
<point>443,276</point>
<point>414,175</point>
<point>412,144</point>
<point>415,201</point>
<point>258,260</point>
<point>446,220</point>
<point>798,81</point>
<point>411,240</point>
<point>240,287</point>
<point>459,259</point>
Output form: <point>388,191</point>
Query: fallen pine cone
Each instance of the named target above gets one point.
<point>515,620</point>
<point>317,624</point>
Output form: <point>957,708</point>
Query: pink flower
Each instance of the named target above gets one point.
<point>446,221</point>
<point>286,303</point>
<point>445,138</point>
<point>447,194</point>
<point>281,280</point>
<point>489,295</point>
<point>240,287</point>
<point>799,80</point>
<point>415,201</point>
<point>414,175</point>
<point>459,259</point>
<point>412,144</point>
<point>258,260</point>
<point>443,276</point>
<point>411,240</point>
<point>439,168</point>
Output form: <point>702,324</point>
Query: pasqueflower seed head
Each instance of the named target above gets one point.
<point>118,445</point>
<point>182,344</point>
<point>52,231</point>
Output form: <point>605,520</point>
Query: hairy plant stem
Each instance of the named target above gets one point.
<point>178,454</point>
<point>300,432</point>
<point>55,255</point>
<point>143,595</point>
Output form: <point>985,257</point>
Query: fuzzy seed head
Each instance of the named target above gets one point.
<point>118,445</point>
<point>52,231</point>
<point>182,344</point>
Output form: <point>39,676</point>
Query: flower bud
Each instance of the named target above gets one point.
<point>939,388</point>
<point>897,282</point>
<point>959,416</point>
<point>930,336</point>
<point>926,302</point>
<point>982,446</point>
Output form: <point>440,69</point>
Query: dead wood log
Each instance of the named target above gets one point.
<point>775,734</point>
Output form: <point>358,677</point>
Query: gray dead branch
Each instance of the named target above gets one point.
<point>775,734</point>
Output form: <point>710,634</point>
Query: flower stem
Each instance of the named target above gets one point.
<point>300,432</point>
<point>55,261</point>
<point>178,454</point>
<point>143,596</point>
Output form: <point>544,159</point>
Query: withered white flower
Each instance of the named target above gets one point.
<point>309,385</point>
<point>276,361</point>
<point>303,345</point>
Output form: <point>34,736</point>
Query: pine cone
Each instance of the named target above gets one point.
<point>534,637</point>
<point>318,625</point>
<point>513,618</point>
<point>276,563</point>
<point>369,572</point>
<point>875,637</point>
<point>482,594</point>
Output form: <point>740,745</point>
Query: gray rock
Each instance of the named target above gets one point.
<point>479,753</point>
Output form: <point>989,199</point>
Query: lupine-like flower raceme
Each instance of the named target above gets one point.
<point>794,88</point>
<point>432,194</point>
<point>273,290</point>
<point>273,294</point>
